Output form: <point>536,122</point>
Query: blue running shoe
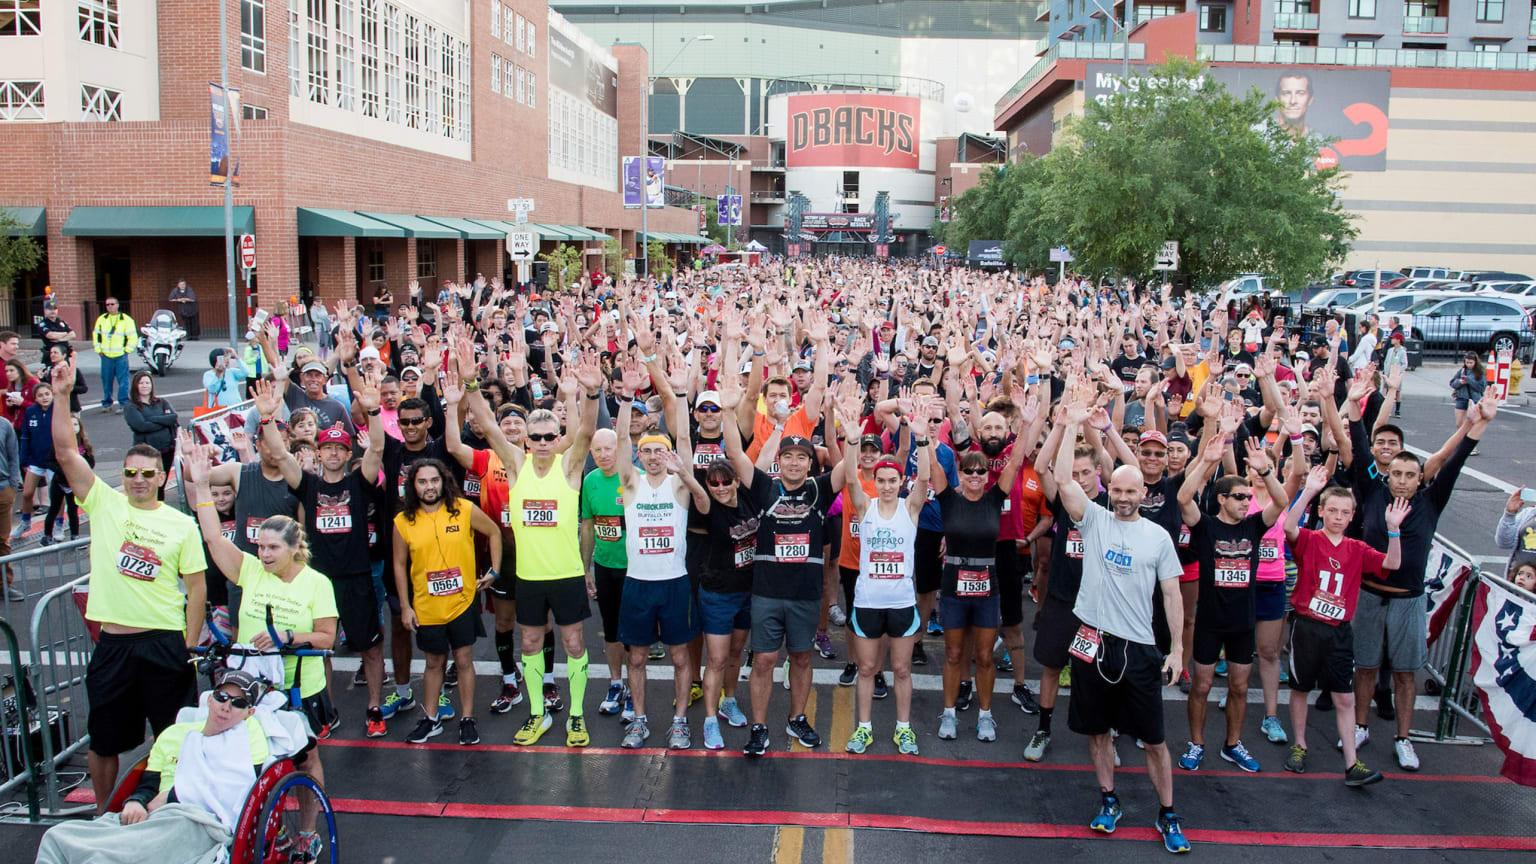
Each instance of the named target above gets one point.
<point>1190,761</point>
<point>712,739</point>
<point>1238,755</point>
<point>1221,667</point>
<point>444,707</point>
<point>1273,730</point>
<point>933,626</point>
<point>394,703</point>
<point>1173,833</point>
<point>613,702</point>
<point>730,712</point>
<point>1108,818</point>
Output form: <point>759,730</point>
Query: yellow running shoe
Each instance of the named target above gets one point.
<point>1066,677</point>
<point>576,732</point>
<point>533,729</point>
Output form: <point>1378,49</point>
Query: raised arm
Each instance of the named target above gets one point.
<point>1259,462</point>
<point>267,404</point>
<point>730,398</point>
<point>1195,478</point>
<point>77,472</point>
<point>1071,495</point>
<point>225,554</point>
<point>1317,478</point>
<point>590,377</point>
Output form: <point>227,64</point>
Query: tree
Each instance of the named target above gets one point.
<point>716,233</point>
<point>18,252</point>
<point>613,257</point>
<point>657,259</point>
<point>564,264</point>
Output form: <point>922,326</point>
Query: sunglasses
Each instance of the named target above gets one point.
<point>708,409</point>
<point>1154,454</point>
<point>412,421</point>
<point>147,473</point>
<point>539,437</point>
<point>976,472</point>
<point>237,702</point>
<point>1240,496</point>
<point>721,484</point>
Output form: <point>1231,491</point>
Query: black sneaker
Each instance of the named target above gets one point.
<point>359,679</point>
<point>451,677</point>
<point>1025,699</point>
<point>800,729</point>
<point>849,676</point>
<point>468,734</point>
<point>552,702</point>
<point>757,741</point>
<point>919,656</point>
<point>1324,701</point>
<point>882,690</point>
<point>510,696</point>
<point>964,697</point>
<point>1004,662</point>
<point>429,727</point>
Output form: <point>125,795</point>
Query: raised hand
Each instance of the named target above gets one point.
<point>367,393</point>
<point>266,399</point>
<point>634,379</point>
<point>1397,511</point>
<point>1317,478</point>
<point>453,387</point>
<point>1515,503</point>
<point>1258,457</point>
<point>63,378</point>
<point>588,374</point>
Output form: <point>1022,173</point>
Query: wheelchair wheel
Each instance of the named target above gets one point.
<point>277,829</point>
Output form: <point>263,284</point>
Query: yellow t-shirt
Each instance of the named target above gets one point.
<point>1197,375</point>
<point>137,560</point>
<point>442,548</point>
<point>545,517</point>
<point>296,606</point>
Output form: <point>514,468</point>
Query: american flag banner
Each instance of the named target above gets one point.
<point>1504,670</point>
<point>1443,580</point>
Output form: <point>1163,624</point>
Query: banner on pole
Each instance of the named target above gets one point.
<point>223,147</point>
<point>1504,670</point>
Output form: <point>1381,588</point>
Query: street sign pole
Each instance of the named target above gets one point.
<point>229,171</point>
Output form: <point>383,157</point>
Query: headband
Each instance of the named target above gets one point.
<point>888,463</point>
<point>654,439</point>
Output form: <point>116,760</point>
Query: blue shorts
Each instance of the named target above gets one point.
<point>722,614</point>
<point>1269,600</point>
<point>652,611</point>
<point>957,613</point>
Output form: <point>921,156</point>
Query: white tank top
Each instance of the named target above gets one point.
<point>886,551</point>
<point>655,530</point>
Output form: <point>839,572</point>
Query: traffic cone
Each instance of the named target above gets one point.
<point>1491,371</point>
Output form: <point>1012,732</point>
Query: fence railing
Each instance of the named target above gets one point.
<point>1453,334</point>
<point>18,765</point>
<point>62,643</point>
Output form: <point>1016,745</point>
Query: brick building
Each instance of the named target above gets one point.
<point>380,141</point>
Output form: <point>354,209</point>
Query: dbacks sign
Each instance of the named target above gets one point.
<point>853,130</point>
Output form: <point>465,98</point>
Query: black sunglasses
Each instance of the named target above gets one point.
<point>148,473</point>
<point>1239,496</point>
<point>973,471</point>
<point>542,436</point>
<point>708,409</point>
<point>412,421</point>
<point>239,703</point>
<point>722,484</point>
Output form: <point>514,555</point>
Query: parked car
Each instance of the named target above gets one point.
<point>1367,278</point>
<point>1522,292</point>
<point>1471,323</point>
<point>1497,276</point>
<point>1433,273</point>
<point>1415,284</point>
<point>1391,304</point>
<point>1246,285</point>
<point>1333,297</point>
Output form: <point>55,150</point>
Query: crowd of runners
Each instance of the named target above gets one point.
<point>736,464</point>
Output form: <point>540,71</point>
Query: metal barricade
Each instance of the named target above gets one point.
<point>38,571</point>
<point>1449,655</point>
<point>61,645</point>
<point>18,764</point>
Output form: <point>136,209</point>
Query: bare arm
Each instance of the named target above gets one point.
<point>77,472</point>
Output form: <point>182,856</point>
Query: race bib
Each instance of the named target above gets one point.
<point>886,565</point>
<point>1231,573</point>
<point>373,535</point>
<point>230,530</point>
<point>252,528</point>
<point>655,540</point>
<point>1327,605</point>
<point>1007,506</point>
<point>609,528</point>
<point>973,583</point>
<point>1085,644</point>
<point>1269,550</point>
<point>746,553</point>
<point>445,583</point>
<point>336,519</point>
<point>472,486</point>
<point>540,514</point>
<point>1183,536</point>
<point>853,530</point>
<point>138,562</point>
<point>506,515</point>
<point>1075,544</point>
<point>704,454</point>
<point>400,489</point>
<point>791,548</point>
<point>773,470</point>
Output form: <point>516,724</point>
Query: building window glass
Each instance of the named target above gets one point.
<point>1486,47</point>
<point>1293,7</point>
<point>393,100</point>
<point>346,54</point>
<point>21,100</point>
<point>432,111</point>
<point>318,47</point>
<point>461,51</point>
<point>507,24</point>
<point>533,90</point>
<point>1421,9</point>
<point>369,33</point>
<point>1359,43</point>
<point>533,39</point>
<point>98,22</point>
<point>426,259</point>
<point>1145,13</point>
<point>99,103</point>
<point>496,18</point>
<point>253,112</point>
<point>295,57</point>
<point>21,18</point>
<point>1213,18</point>
<point>522,33</point>
<point>253,35</point>
<point>413,119</point>
<point>496,73</point>
<point>1490,11</point>
<point>522,82</point>
<point>1362,8</point>
<point>376,261</point>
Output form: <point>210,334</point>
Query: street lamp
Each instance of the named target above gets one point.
<point>645,144</point>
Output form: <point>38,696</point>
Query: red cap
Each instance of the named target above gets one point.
<point>1153,435</point>
<point>335,435</point>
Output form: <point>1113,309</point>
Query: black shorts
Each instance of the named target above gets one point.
<point>461,632</point>
<point>132,679</point>
<point>317,711</point>
<point>1122,689</point>
<point>834,534</point>
<point>1054,635</point>
<point>927,563</point>
<point>505,585</point>
<point>358,606</point>
<point>1209,645</point>
<point>566,599</point>
<point>874,623</point>
<point>610,589</point>
<point>1322,656</point>
<point>1010,582</point>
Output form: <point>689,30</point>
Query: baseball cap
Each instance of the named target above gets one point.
<point>1169,363</point>
<point>804,366</point>
<point>315,366</point>
<point>1308,428</point>
<point>410,370</point>
<point>369,353</point>
<point>1243,367</point>
<point>50,303</point>
<point>708,397</point>
<point>929,341</point>
<point>334,435</point>
<point>1178,436</point>
<point>252,686</point>
<point>798,442</point>
<point>874,441</point>
<point>1154,436</point>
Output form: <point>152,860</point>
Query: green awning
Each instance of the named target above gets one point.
<point>469,230</point>
<point>550,232</point>
<point>342,223</point>
<point>155,221</point>
<point>33,221</point>
<point>501,228</point>
<point>415,226</point>
<point>584,233</point>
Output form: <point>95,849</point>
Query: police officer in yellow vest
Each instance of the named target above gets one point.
<point>114,336</point>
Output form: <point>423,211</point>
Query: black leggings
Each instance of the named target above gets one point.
<point>849,577</point>
<point>60,495</point>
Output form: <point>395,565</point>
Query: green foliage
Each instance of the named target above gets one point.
<point>657,259</point>
<point>613,256</point>
<point>716,233</point>
<point>564,264</point>
<point>18,252</point>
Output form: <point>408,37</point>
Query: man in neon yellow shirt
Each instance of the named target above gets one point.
<point>140,549</point>
<point>113,337</point>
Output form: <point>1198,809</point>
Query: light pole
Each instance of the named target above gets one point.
<point>1125,30</point>
<point>645,146</point>
<point>229,172</point>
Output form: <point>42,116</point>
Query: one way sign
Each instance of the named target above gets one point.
<point>1168,256</point>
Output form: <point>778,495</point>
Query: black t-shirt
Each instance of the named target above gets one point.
<point>790,536</point>
<point>1127,367</point>
<point>732,546</point>
<point>217,582</point>
<point>336,521</point>
<point>970,537</point>
<point>46,326</point>
<point>396,460</point>
<point>1161,505</point>
<point>1229,564</point>
<point>1067,552</point>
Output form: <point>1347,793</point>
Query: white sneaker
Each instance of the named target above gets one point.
<point>1362,735</point>
<point>20,528</point>
<point>1406,758</point>
<point>836,616</point>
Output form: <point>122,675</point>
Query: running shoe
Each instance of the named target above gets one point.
<point>948,727</point>
<point>359,677</point>
<point>426,728</point>
<point>375,726</point>
<point>658,651</point>
<point>695,692</point>
<point>613,703</point>
<point>965,696</point>
<point>1384,707</point>
<point>986,728</point>
<point>552,702</point>
<point>678,737</point>
<point>1109,816</point>
<point>1065,679</point>
<point>1221,668</point>
<point>1324,701</point>
<point>849,676</point>
<point>730,712</point>
<point>1406,758</point>
<point>1296,762</point>
<point>510,696</point>
<point>836,616</point>
<point>1190,761</point>
<point>1184,682</point>
<point>533,729</point>
<point>1173,833</point>
<point>307,848</point>
<point>394,703</point>
<point>469,735</point>
<point>919,656</point>
<point>786,673</point>
<point>1035,750</point>
<point>1004,662</point>
<point>757,741</point>
<point>1358,775</point>
<point>1273,730</point>
<point>445,707</point>
<point>712,739</point>
<point>800,729</point>
<point>1025,699</point>
<point>635,734</point>
<point>933,625</point>
<point>824,647</point>
<point>576,732</point>
<point>21,528</point>
<point>1222,705</point>
<point>860,740</point>
<point>1238,755</point>
<point>451,676</point>
<point>906,741</point>
<point>628,713</point>
<point>1362,737</point>
<point>882,689</point>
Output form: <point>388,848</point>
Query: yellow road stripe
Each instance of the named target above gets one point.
<point>842,716</point>
<point>837,845</point>
<point>787,844</point>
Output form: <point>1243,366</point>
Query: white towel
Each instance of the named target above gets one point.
<point>215,773</point>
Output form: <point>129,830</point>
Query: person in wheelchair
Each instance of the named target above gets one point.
<point>188,800</point>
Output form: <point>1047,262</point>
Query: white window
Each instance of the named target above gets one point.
<point>318,43</point>
<point>412,66</point>
<point>522,26</point>
<point>507,24</point>
<point>1486,47</point>
<point>99,103</point>
<point>295,55</point>
<point>253,35</point>
<point>521,82</point>
<point>346,54</point>
<point>461,52</point>
<point>393,63</point>
<point>431,110</point>
<point>98,22</point>
<point>21,18</point>
<point>21,100</point>
<point>369,33</point>
<point>496,74</point>
<point>496,18</point>
<point>253,112</point>
<point>533,39</point>
<point>533,90</point>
